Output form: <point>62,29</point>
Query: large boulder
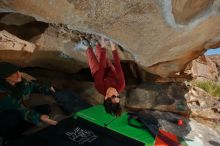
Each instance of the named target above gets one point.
<point>161,36</point>
<point>215,59</point>
<point>14,49</point>
<point>202,135</point>
<point>203,68</point>
<point>193,132</point>
<point>16,19</point>
<point>158,96</point>
<point>202,105</point>
<point>56,48</point>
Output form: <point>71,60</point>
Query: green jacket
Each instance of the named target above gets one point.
<point>15,95</point>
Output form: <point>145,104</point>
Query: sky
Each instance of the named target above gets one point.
<point>213,51</point>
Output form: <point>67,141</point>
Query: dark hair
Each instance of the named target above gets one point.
<point>112,108</point>
<point>7,69</point>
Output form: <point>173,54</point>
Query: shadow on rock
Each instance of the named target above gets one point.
<point>165,101</point>
<point>214,143</point>
<point>167,97</point>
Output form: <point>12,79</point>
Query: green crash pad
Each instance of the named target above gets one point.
<point>97,115</point>
<point>120,125</point>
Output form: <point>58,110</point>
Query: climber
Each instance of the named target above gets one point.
<point>14,90</point>
<point>108,76</point>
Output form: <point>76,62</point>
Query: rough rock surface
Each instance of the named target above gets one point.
<point>158,96</point>
<point>216,59</point>
<point>16,19</point>
<point>55,49</point>
<point>194,133</point>
<point>203,68</point>
<point>161,36</point>
<point>202,135</point>
<point>14,49</point>
<point>202,105</point>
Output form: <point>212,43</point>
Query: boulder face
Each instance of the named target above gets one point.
<point>215,59</point>
<point>204,68</point>
<point>158,96</point>
<point>14,49</point>
<point>185,10</point>
<point>203,105</point>
<point>161,36</point>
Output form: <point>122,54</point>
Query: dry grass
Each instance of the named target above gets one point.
<point>209,86</point>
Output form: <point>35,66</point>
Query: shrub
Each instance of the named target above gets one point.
<point>209,86</point>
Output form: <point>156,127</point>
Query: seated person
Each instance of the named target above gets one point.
<point>15,117</point>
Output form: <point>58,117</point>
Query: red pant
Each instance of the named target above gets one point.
<point>94,60</point>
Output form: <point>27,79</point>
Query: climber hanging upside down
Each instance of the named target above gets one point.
<point>108,76</point>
